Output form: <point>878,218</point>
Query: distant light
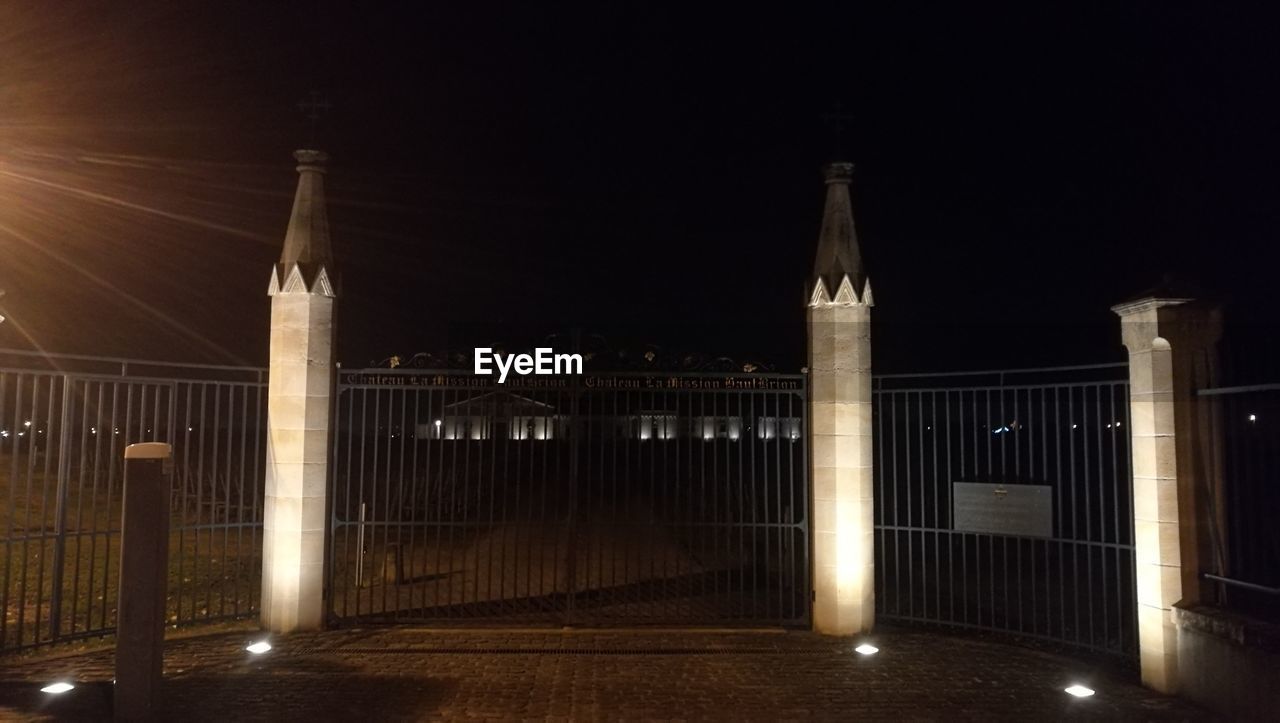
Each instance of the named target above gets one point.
<point>191,429</point>
<point>1074,426</point>
<point>1108,426</point>
<point>259,647</point>
<point>1117,424</point>
<point>1253,417</point>
<point>57,688</point>
<point>867,649</point>
<point>27,423</point>
<point>437,422</point>
<point>1079,691</point>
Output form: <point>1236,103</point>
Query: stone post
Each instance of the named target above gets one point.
<point>298,412</point>
<point>144,578</point>
<point>1170,342</point>
<point>840,444</point>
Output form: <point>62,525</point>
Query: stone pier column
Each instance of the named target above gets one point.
<point>298,412</point>
<point>840,443</point>
<point>1170,343</point>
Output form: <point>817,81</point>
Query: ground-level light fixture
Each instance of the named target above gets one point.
<point>1079,691</point>
<point>867,649</point>
<point>57,688</point>
<point>259,647</point>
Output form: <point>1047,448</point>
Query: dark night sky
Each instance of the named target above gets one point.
<point>650,174</point>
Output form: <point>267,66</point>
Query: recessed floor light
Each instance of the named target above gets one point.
<point>57,688</point>
<point>259,648</point>
<point>1079,691</point>
<point>867,649</point>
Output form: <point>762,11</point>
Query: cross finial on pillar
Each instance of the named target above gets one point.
<point>313,109</point>
<point>837,120</point>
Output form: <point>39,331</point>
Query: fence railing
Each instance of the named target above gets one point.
<point>65,420</point>
<point>1243,447</point>
<point>1003,502</point>
<point>64,423</point>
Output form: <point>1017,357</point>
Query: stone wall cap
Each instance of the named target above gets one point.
<point>1148,302</point>
<point>1239,629</point>
<point>1169,290</point>
<point>148,450</point>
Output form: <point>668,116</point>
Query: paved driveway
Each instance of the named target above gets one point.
<point>412,674</point>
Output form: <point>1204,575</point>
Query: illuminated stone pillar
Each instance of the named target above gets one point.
<point>839,326</point>
<point>298,412</point>
<point>1170,343</point>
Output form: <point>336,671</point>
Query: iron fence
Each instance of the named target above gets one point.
<point>64,423</point>
<point>1243,446</point>
<point>678,498</point>
<point>591,500</point>
<point>1003,502</point>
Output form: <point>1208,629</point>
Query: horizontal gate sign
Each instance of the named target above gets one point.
<point>1021,510</point>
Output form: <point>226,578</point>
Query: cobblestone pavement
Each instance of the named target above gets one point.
<point>412,674</point>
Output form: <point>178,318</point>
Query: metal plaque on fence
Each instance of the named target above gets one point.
<point>1022,510</point>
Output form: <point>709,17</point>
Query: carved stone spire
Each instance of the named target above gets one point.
<point>838,255</point>
<point>299,410</point>
<point>840,432</point>
<point>306,262</point>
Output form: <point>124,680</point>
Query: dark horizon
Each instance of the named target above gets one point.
<point>646,175</point>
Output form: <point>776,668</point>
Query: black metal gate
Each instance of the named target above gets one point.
<point>64,423</point>
<point>1003,502</point>
<point>584,500</point>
